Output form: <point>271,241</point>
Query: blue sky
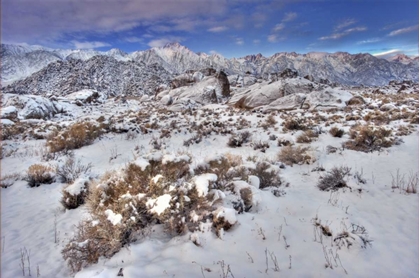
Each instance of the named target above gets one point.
<point>233,28</point>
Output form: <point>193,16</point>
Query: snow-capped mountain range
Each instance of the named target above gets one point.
<point>19,62</point>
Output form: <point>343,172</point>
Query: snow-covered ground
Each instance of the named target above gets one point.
<point>280,236</point>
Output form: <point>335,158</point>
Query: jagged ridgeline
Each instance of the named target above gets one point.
<point>19,62</point>
<point>101,73</point>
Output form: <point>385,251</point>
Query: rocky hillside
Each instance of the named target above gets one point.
<point>101,73</point>
<point>344,68</point>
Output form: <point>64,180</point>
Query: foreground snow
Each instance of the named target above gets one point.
<point>278,229</point>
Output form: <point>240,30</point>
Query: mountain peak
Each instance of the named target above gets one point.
<point>173,45</point>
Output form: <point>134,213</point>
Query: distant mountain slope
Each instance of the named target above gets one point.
<point>341,67</point>
<point>102,73</point>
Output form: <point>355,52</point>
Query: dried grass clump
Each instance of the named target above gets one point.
<point>72,169</point>
<point>334,179</point>
<point>38,174</point>
<point>367,138</point>
<point>226,167</point>
<point>72,200</point>
<point>290,155</point>
<point>237,140</point>
<point>306,137</point>
<point>336,132</point>
<point>74,137</point>
<point>121,208</point>
<point>267,173</point>
<point>295,124</point>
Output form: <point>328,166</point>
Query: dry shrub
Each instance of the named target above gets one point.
<point>262,146</point>
<point>367,138</point>
<point>334,179</point>
<point>237,140</point>
<point>267,173</point>
<point>246,196</point>
<point>72,169</point>
<point>283,142</point>
<point>336,132</point>
<point>9,179</point>
<point>295,124</point>
<point>119,205</point>
<point>74,137</point>
<point>290,155</point>
<point>225,167</point>
<point>72,200</point>
<point>306,137</point>
<point>38,174</point>
<point>377,117</point>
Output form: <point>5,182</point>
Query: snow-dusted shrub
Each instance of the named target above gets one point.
<point>336,132</point>
<point>283,142</point>
<point>237,140</point>
<point>74,194</point>
<point>290,155</point>
<point>334,179</point>
<point>262,146</point>
<point>13,130</point>
<point>367,138</point>
<point>224,166</point>
<point>38,174</point>
<point>9,179</point>
<point>306,136</point>
<point>193,140</point>
<point>74,137</point>
<point>223,220</point>
<point>267,173</point>
<point>295,124</point>
<point>123,203</point>
<point>72,169</point>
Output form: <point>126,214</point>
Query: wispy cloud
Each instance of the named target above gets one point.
<point>347,32</point>
<point>404,30</point>
<point>89,45</point>
<point>214,52</point>
<point>272,38</point>
<point>256,41</point>
<point>239,41</point>
<point>163,41</point>
<point>345,23</point>
<point>289,17</point>
<point>278,27</point>
<point>217,29</point>
<point>373,40</point>
<point>134,39</point>
<point>387,54</point>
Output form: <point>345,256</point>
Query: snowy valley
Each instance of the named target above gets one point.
<point>169,163</point>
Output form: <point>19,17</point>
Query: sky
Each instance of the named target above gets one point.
<point>232,28</point>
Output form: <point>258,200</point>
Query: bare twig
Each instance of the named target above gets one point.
<point>250,258</point>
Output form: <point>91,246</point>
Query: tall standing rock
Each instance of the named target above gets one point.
<point>224,82</point>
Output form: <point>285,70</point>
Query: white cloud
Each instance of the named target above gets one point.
<point>289,17</point>
<point>388,53</point>
<point>278,27</point>
<point>345,23</point>
<point>134,39</point>
<point>89,45</point>
<point>256,41</point>
<point>272,38</point>
<point>347,32</point>
<point>239,41</point>
<point>214,52</point>
<point>69,16</point>
<point>373,40</point>
<point>217,29</point>
<point>163,41</point>
<point>403,30</point>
